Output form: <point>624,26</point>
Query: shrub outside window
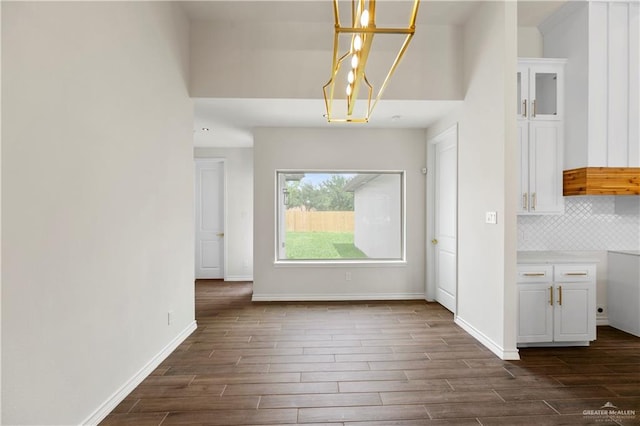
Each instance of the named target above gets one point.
<point>338,216</point>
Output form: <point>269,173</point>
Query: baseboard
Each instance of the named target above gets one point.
<point>507,355</point>
<point>553,344</point>
<point>238,278</point>
<point>603,320</point>
<point>106,407</point>
<point>335,297</point>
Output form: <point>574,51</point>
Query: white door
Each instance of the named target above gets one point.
<point>209,198</point>
<point>445,217</point>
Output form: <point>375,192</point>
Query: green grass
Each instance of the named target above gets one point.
<point>322,245</point>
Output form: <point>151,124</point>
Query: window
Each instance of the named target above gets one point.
<point>335,216</point>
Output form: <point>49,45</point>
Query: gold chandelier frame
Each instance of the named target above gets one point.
<point>363,29</point>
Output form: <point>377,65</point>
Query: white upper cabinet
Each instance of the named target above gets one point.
<point>540,89</point>
<point>540,168</point>
<point>540,135</point>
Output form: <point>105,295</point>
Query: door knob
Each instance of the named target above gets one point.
<point>434,241</point>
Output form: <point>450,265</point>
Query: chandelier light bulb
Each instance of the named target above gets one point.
<point>357,43</point>
<point>353,52</point>
<point>364,18</point>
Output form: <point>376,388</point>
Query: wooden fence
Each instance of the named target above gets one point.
<point>314,221</point>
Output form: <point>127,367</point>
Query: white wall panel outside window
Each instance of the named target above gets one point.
<point>338,216</point>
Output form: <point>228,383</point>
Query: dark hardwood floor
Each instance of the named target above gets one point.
<point>373,363</point>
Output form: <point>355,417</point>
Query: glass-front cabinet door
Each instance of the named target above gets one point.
<point>540,88</point>
<point>544,103</point>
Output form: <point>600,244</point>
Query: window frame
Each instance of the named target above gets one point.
<point>279,203</point>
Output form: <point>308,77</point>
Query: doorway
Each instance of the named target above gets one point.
<point>209,218</point>
<point>442,230</point>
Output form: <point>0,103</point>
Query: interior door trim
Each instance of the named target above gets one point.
<point>430,285</point>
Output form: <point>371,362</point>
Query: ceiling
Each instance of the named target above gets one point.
<point>317,11</point>
<point>229,122</point>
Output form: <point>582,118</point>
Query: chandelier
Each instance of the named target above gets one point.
<point>348,96</point>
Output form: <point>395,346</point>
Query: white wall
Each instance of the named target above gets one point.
<point>486,178</point>
<point>97,202</point>
<point>269,60</point>
<point>378,217</point>
<point>239,209</point>
<point>340,149</point>
<point>529,42</point>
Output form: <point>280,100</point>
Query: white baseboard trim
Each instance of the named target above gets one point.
<point>106,407</point>
<point>507,355</point>
<point>238,278</point>
<point>553,344</point>
<point>603,320</point>
<point>335,297</point>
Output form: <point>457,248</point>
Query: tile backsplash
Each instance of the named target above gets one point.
<point>589,223</point>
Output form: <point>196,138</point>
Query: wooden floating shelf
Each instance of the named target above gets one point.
<point>601,181</point>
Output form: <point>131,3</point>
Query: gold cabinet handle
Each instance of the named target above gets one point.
<point>534,274</point>
<point>524,108</point>
<point>525,198</point>
<point>533,108</point>
<point>534,201</point>
<point>434,241</point>
<point>560,295</point>
<point>220,234</point>
<point>576,274</point>
<point>551,295</point>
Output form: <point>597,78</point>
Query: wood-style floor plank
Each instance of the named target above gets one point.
<point>499,409</point>
<point>233,417</point>
<point>375,363</point>
<point>366,413</point>
<point>281,388</point>
<point>320,400</point>
<point>138,419</point>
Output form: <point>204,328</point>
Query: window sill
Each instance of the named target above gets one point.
<point>340,263</point>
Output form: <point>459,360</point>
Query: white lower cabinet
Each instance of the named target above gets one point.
<point>556,304</point>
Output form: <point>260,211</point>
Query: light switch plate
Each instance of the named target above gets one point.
<point>491,217</point>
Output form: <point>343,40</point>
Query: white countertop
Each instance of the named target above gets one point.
<point>553,257</point>
<point>631,252</point>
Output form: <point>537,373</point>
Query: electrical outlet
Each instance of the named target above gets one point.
<point>169,317</point>
<point>491,217</point>
<point>347,276</point>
